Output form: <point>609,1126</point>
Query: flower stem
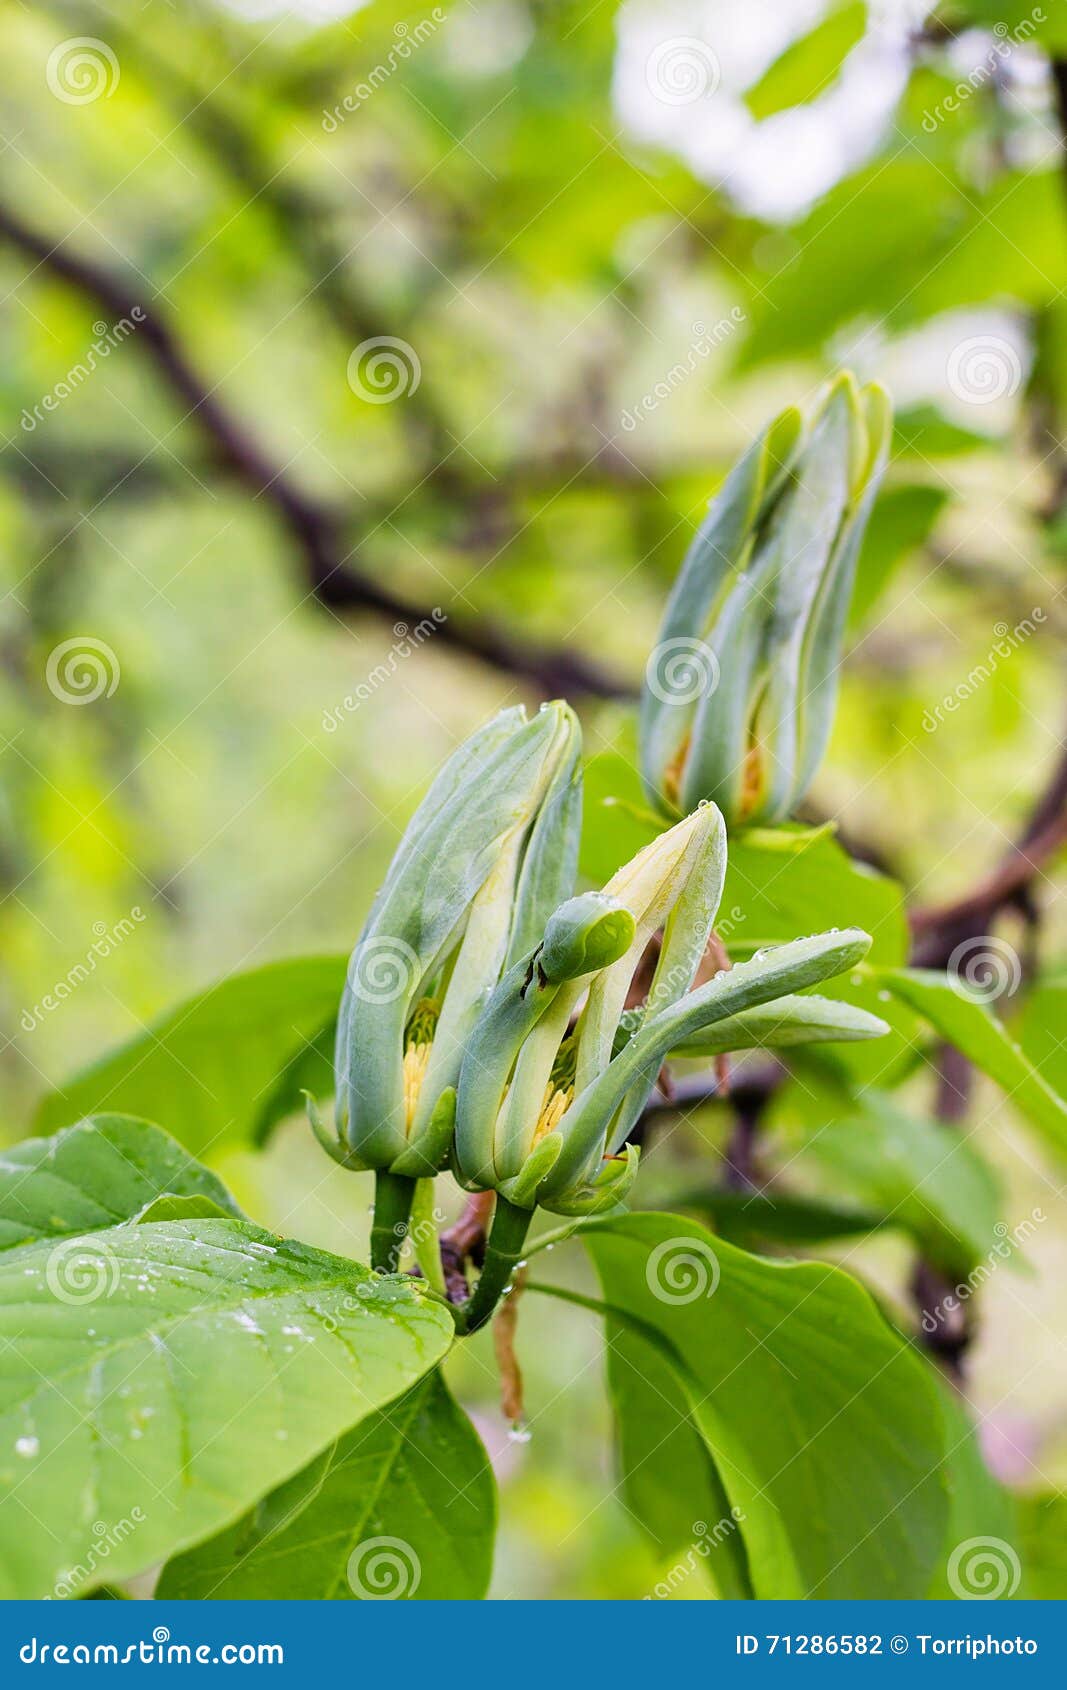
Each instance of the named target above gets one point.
<point>424,1236</point>
<point>502,1255</point>
<point>393,1195</point>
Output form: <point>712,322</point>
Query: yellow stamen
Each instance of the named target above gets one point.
<point>672,774</point>
<point>553,1108</point>
<point>416,1062</point>
<point>751,780</point>
<point>418,1043</point>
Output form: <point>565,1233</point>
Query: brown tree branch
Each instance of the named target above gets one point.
<point>505,1322</point>
<point>313,525</point>
<point>939,928</point>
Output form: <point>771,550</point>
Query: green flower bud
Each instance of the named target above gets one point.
<point>532,1054</point>
<point>600,1117</point>
<point>558,1068</point>
<point>741,686</point>
<point>484,861</point>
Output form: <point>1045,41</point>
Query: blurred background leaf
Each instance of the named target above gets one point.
<point>611,241</point>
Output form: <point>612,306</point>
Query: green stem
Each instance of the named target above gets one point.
<point>424,1231</point>
<point>503,1253</point>
<point>557,1235</point>
<point>393,1194</point>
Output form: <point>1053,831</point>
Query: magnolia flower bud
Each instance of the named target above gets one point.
<point>558,1068</point>
<point>485,859</point>
<point>741,686</point>
<point>532,1055</point>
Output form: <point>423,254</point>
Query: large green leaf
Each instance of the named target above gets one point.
<point>980,1510</point>
<point>784,882</point>
<point>616,820</point>
<point>1041,1029</point>
<point>156,1379</point>
<point>925,432</point>
<point>813,1411</point>
<point>807,66</point>
<point>402,1506</point>
<point>1042,1534</point>
<point>1013,244</point>
<point>211,1069</point>
<point>107,1169</point>
<point>1019,19</point>
<point>780,882</point>
<point>969,1024</point>
<point>894,219</point>
<point>782,1217</point>
<point>917,1173</point>
<point>918,241</point>
<point>787,881</point>
<point>901,520</point>
<point>669,1479</point>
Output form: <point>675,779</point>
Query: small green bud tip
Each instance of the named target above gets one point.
<point>586,934</point>
<point>761,601</point>
<point>564,725</point>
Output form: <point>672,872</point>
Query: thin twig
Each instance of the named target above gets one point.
<point>464,1242</point>
<point>1043,836</point>
<point>505,1322</point>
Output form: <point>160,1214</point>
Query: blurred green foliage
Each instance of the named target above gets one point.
<point>561,250</point>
